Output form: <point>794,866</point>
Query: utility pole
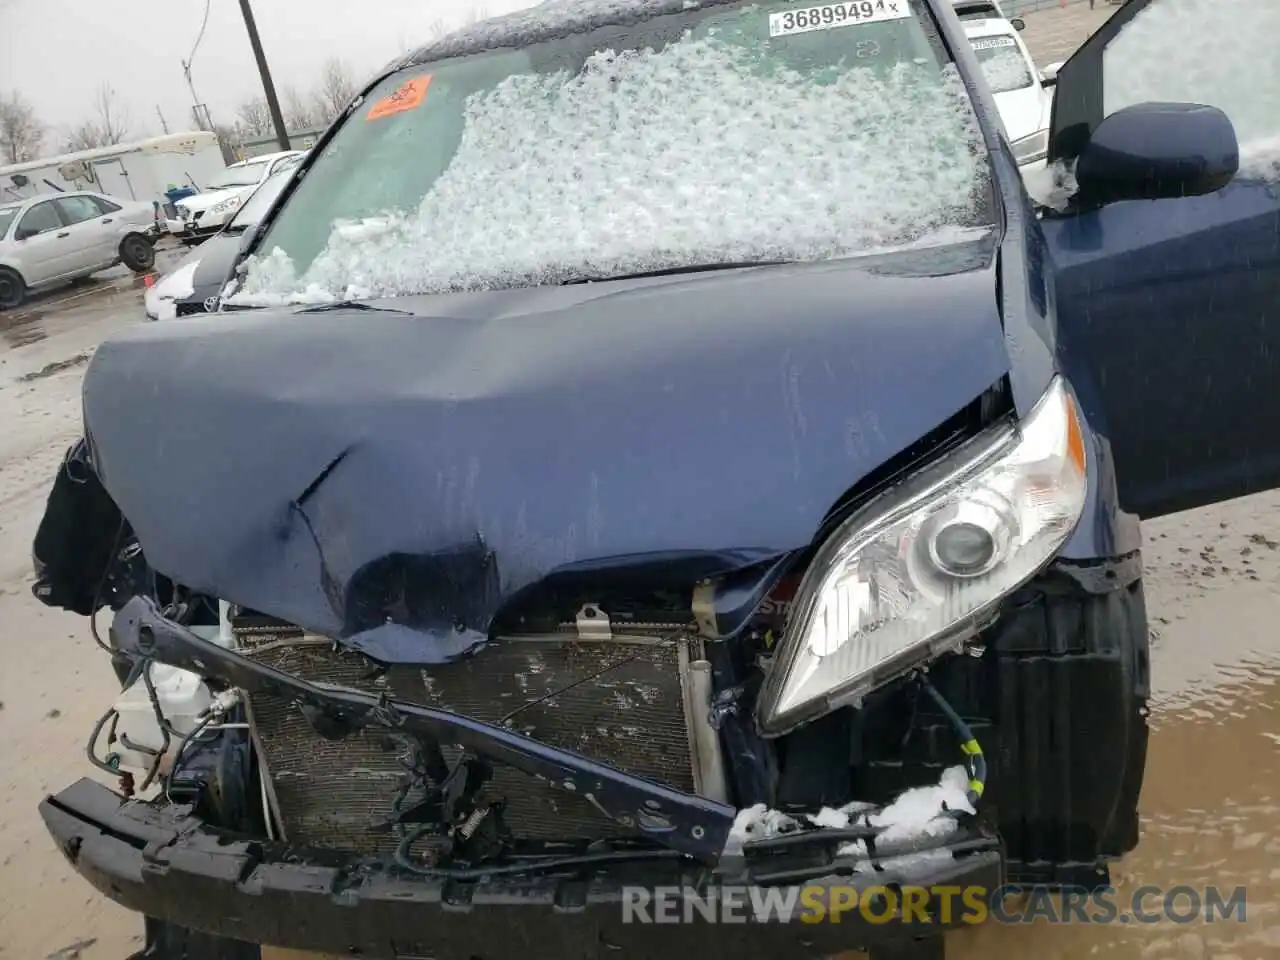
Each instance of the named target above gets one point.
<point>268,89</point>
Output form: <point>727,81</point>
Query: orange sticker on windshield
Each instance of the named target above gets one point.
<point>407,96</point>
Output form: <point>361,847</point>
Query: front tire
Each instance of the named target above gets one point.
<point>13,289</point>
<point>137,253</point>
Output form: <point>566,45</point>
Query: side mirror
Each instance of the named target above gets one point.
<point>1049,75</point>
<point>1018,23</point>
<point>1152,151</point>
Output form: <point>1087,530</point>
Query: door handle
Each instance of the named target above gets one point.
<point>108,220</point>
<point>64,233</point>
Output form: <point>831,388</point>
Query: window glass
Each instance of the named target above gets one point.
<point>6,217</point>
<point>78,209</point>
<point>709,135</point>
<point>41,218</point>
<point>1002,62</point>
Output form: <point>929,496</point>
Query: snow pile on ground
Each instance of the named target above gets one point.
<point>917,813</point>
<point>701,153</point>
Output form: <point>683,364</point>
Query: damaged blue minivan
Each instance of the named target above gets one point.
<point>645,442</point>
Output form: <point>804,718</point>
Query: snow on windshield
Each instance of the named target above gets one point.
<point>539,20</point>
<point>1221,53</point>
<point>1002,64</point>
<point>651,160</point>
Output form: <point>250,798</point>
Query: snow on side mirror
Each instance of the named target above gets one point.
<point>1152,151</point>
<point>1049,75</point>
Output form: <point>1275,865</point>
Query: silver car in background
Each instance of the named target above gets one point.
<point>51,239</point>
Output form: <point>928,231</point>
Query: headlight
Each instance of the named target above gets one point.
<point>921,568</point>
<point>184,213</point>
<point>1032,148</point>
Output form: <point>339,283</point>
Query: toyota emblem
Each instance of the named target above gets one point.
<point>211,304</point>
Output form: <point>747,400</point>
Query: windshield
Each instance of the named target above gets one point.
<point>259,202</point>
<point>732,133</point>
<point>245,175</point>
<point>6,217</point>
<point>1003,64</point>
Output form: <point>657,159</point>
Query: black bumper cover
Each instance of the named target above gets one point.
<point>167,864</point>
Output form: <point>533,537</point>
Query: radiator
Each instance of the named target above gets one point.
<point>617,701</point>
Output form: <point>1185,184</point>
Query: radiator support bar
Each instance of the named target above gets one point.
<point>685,822</point>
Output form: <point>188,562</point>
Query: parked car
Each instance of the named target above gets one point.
<point>203,215</point>
<point>984,10</point>
<point>667,448</point>
<point>52,239</point>
<point>1021,94</point>
<point>194,284</point>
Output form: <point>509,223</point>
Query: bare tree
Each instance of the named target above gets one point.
<point>21,134</point>
<point>253,117</point>
<point>108,126</point>
<point>84,136</point>
<point>301,112</point>
<point>337,89</point>
<point>228,141</point>
<point>112,116</point>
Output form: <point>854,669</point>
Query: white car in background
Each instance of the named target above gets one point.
<point>1023,94</point>
<point>204,214</point>
<point>55,238</point>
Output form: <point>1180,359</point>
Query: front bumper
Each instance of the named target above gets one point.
<point>167,864</point>
<point>200,229</point>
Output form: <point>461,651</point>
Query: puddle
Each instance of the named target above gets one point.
<point>1211,795</point>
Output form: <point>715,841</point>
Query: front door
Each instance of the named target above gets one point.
<point>92,240</point>
<point>42,242</point>
<point>1169,309</point>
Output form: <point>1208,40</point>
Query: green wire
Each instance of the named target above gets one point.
<point>974,760</point>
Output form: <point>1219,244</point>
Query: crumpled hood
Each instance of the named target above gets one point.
<point>300,464</point>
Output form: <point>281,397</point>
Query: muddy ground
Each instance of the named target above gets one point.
<point>1210,803</point>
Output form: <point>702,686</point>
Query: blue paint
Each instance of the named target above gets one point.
<point>306,465</point>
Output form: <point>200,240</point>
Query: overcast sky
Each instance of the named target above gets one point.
<point>58,52</point>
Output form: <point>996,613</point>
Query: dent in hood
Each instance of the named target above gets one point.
<point>395,480</point>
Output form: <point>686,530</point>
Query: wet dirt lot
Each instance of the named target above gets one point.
<point>1210,802</point>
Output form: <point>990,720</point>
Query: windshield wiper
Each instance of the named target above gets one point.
<point>352,305</point>
<point>671,271</point>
